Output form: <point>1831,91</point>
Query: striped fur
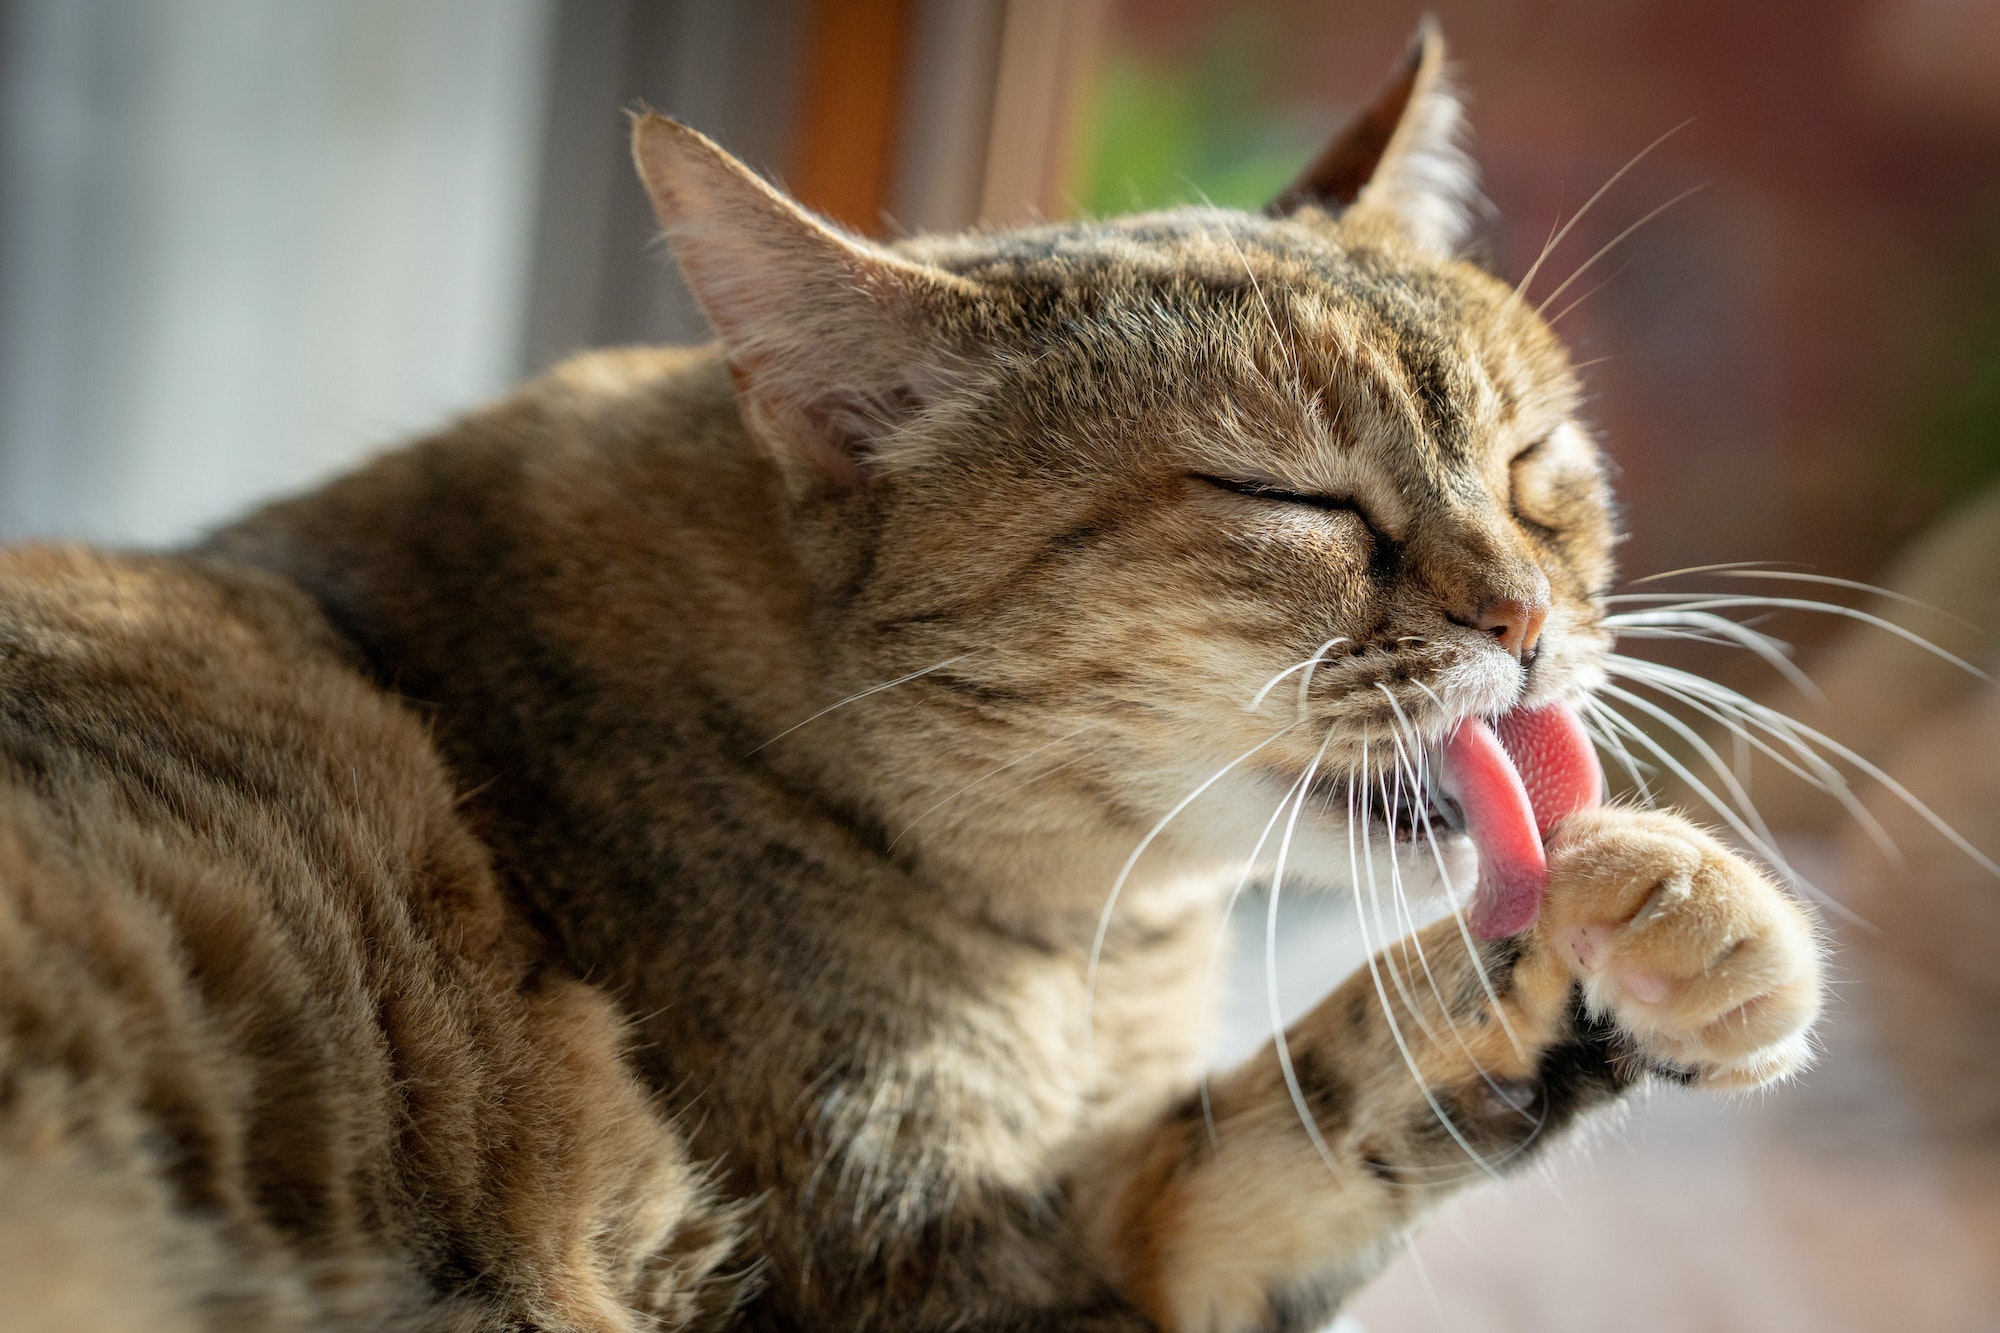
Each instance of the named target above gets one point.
<point>739,836</point>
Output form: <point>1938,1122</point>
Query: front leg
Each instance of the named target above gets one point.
<point>1659,951</point>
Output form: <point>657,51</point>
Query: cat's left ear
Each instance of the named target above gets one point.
<point>833,341</point>
<point>1400,158</point>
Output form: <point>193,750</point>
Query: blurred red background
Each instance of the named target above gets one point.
<point>1796,362</point>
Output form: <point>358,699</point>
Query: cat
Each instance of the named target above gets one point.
<point>739,836</point>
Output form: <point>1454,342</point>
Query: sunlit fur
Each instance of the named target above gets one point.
<point>877,710</point>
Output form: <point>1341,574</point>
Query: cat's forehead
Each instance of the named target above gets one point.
<point>1347,305</point>
<point>1191,256</point>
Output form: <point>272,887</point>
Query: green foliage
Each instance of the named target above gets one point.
<point>1957,440</point>
<point>1162,133</point>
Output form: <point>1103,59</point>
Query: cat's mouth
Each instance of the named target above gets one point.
<point>1402,814</point>
<point>1504,784</point>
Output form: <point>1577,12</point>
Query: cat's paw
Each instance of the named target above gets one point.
<point>1703,963</point>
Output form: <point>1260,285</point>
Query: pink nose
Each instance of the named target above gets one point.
<point>1515,623</point>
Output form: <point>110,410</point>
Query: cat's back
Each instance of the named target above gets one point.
<point>274,1052</point>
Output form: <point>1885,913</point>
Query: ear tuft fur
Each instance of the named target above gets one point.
<point>1401,158</point>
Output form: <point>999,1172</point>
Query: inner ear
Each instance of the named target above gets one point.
<point>844,430</point>
<point>833,342</point>
<point>1335,179</point>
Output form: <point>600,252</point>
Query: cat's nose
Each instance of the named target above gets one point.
<point>1514,622</point>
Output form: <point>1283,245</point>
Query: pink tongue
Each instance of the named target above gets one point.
<point>1514,780</point>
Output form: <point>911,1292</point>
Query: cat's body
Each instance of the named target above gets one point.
<point>893,969</point>
<point>273,1052</point>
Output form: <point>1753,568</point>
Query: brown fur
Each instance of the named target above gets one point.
<point>861,934</point>
<point>273,1054</point>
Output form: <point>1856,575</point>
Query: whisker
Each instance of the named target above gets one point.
<point>1602,190</point>
<point>1712,628</point>
<point>1382,992</point>
<point>1724,601</point>
<point>1685,570</point>
<point>1222,934</point>
<point>1549,244</point>
<point>1869,768</point>
<point>1607,739</point>
<point>1723,709</point>
<point>1557,318</point>
<point>1305,665</point>
<point>1374,897</point>
<point>1749,570</point>
<point>1125,873</point>
<point>1412,940</point>
<point>863,694</point>
<point>1280,1043</point>
<point>1606,249</point>
<point>1739,811</point>
<point>1730,817</point>
<point>1306,681</point>
<point>1451,897</point>
<point>1472,952</point>
<point>1741,822</point>
<point>1403,918</point>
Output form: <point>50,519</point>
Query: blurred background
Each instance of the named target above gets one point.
<point>245,242</point>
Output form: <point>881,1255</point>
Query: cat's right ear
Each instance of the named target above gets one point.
<point>832,340</point>
<point>1400,159</point>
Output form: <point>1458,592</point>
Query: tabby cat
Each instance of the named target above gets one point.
<point>739,836</point>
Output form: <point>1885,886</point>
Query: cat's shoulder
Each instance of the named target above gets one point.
<point>148,616</point>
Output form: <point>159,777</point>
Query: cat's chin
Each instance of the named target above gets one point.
<point>1425,858</point>
<point>1427,864</point>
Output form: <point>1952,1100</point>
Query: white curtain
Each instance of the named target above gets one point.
<point>243,242</point>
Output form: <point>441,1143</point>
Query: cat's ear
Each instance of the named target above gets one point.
<point>1400,158</point>
<point>832,340</point>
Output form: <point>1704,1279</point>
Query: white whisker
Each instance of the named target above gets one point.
<point>1280,1044</point>
<point>1555,240</point>
<point>1729,816</point>
<point>1306,665</point>
<point>1416,1010</point>
<point>1382,992</point>
<point>1606,249</point>
<point>1607,738</point>
<point>1669,622</point>
<point>1738,812</point>
<point>1405,921</point>
<point>1686,570</point>
<point>1450,890</point>
<point>1557,318</point>
<point>1724,708</point>
<point>1726,601</point>
<point>863,694</point>
<point>1222,933</point>
<point>1749,570</point>
<point>1867,767</point>
<point>1125,873</point>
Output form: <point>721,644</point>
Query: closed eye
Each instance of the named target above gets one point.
<point>1265,490</point>
<point>1522,513</point>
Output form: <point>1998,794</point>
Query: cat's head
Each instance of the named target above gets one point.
<point>1145,494</point>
